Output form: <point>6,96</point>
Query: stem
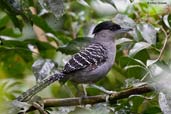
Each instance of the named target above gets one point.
<point>164,45</point>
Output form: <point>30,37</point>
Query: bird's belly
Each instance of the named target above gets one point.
<point>92,76</point>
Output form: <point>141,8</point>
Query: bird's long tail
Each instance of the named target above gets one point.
<point>38,87</point>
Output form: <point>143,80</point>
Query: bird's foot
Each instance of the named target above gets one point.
<point>39,107</point>
<point>37,100</point>
<point>84,94</point>
<point>81,99</point>
<point>81,93</point>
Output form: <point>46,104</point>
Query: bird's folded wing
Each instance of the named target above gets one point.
<point>93,55</point>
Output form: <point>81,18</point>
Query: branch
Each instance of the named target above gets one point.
<point>52,102</point>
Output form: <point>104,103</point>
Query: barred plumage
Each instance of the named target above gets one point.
<point>94,54</point>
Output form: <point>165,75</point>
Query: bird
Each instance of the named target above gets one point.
<point>90,64</point>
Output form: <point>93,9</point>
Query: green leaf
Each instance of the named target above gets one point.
<point>138,47</point>
<point>83,2</point>
<point>127,61</point>
<point>46,50</point>
<point>121,5</point>
<point>15,62</point>
<point>19,57</point>
<point>9,89</point>
<point>75,45</point>
<point>137,101</point>
<point>12,12</point>
<point>142,56</point>
<point>42,68</point>
<point>43,24</point>
<point>3,20</point>
<point>56,7</point>
<point>148,33</point>
<point>122,40</point>
<point>164,102</point>
<point>11,32</point>
<point>137,35</point>
<point>124,21</point>
<point>152,110</point>
<point>17,22</point>
<point>133,67</point>
<point>167,20</point>
<point>136,72</point>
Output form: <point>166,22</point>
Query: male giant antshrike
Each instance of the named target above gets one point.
<point>88,65</point>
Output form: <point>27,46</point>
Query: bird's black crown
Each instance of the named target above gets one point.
<point>106,25</point>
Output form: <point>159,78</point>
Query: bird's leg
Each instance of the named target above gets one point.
<point>84,86</point>
<point>82,93</point>
<point>102,89</point>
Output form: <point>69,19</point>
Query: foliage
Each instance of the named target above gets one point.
<point>141,56</point>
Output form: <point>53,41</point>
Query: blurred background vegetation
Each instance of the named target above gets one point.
<point>37,37</point>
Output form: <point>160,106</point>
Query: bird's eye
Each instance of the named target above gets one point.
<point>114,28</point>
<point>111,28</point>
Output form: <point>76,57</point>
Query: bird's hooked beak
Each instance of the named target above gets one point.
<point>123,30</point>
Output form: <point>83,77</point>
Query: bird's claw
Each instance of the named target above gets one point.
<point>81,99</point>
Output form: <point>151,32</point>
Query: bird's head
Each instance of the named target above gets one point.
<point>110,27</point>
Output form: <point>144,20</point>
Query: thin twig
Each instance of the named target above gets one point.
<point>164,45</point>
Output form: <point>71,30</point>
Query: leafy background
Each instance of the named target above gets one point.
<point>66,27</point>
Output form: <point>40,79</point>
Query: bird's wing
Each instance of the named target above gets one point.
<point>93,55</point>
